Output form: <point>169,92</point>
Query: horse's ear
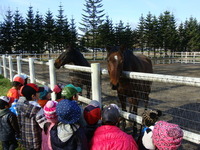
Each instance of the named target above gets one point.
<point>122,48</point>
<point>108,49</point>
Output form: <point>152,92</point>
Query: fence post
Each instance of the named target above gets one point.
<point>10,67</point>
<point>96,85</point>
<point>31,70</point>
<point>19,68</point>
<point>0,67</point>
<point>4,66</point>
<point>52,76</point>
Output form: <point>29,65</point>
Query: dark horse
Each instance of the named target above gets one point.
<point>120,59</point>
<point>74,56</point>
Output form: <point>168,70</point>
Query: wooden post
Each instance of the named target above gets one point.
<point>0,67</point>
<point>52,76</point>
<point>10,67</point>
<point>31,70</point>
<point>4,66</point>
<point>96,84</point>
<point>19,66</point>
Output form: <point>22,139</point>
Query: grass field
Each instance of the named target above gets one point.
<point>5,85</point>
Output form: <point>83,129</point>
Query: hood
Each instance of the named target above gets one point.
<point>65,131</point>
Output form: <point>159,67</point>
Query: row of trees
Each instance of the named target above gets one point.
<point>36,34</point>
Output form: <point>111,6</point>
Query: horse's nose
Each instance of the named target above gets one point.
<point>56,66</point>
<point>114,87</point>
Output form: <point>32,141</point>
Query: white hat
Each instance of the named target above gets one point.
<point>5,98</point>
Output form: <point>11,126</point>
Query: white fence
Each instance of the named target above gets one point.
<point>96,72</point>
<point>181,57</point>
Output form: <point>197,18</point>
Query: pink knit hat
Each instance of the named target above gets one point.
<point>167,136</point>
<point>50,110</point>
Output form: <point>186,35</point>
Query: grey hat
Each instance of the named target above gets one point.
<point>110,114</point>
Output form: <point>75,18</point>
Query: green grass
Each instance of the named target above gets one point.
<point>5,85</point>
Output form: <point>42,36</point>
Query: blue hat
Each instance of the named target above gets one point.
<point>68,111</point>
<point>44,93</point>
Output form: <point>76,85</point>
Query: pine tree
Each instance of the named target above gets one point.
<point>106,35</point>
<point>18,29</point>
<point>39,33</point>
<point>141,33</point>
<point>73,37</point>
<point>60,29</point>
<point>167,30</point>
<point>91,21</point>
<point>29,32</point>
<point>7,33</point>
<point>192,34</point>
<point>49,31</point>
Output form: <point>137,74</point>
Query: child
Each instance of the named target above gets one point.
<point>150,117</point>
<point>58,90</point>
<point>109,136</point>
<point>51,116</point>
<point>9,128</point>
<point>71,92</point>
<point>92,115</point>
<point>165,136</point>
<point>13,93</point>
<point>31,117</point>
<point>45,96</point>
<point>68,134</point>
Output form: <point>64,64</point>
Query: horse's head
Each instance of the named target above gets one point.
<point>115,61</point>
<point>64,58</point>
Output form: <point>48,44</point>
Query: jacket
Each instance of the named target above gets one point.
<point>13,94</point>
<point>62,139</point>
<point>31,120</point>
<point>8,125</point>
<point>108,137</point>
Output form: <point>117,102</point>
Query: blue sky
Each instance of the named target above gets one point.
<point>129,11</point>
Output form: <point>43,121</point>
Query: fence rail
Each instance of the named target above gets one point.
<point>96,83</point>
<point>159,57</point>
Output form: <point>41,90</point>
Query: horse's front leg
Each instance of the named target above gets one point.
<point>122,100</point>
<point>133,109</point>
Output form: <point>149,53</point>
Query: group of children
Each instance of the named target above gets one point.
<point>30,117</point>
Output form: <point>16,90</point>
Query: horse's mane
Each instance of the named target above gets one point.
<point>79,59</point>
<point>131,62</point>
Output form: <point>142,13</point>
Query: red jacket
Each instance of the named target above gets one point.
<point>109,137</point>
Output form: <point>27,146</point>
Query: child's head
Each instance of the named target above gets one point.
<point>58,89</point>
<point>110,115</point>
<point>92,112</point>
<point>150,117</point>
<point>4,100</point>
<point>50,110</point>
<point>46,93</point>
<point>71,92</point>
<point>18,80</point>
<point>68,111</point>
<point>31,91</point>
<point>167,135</point>
<point>25,77</point>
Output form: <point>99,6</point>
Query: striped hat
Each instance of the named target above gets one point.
<point>50,109</point>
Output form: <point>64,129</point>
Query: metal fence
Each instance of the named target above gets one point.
<point>182,109</point>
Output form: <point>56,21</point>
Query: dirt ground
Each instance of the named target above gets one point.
<point>180,104</point>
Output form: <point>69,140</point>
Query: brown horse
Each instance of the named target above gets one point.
<point>74,56</point>
<point>120,59</point>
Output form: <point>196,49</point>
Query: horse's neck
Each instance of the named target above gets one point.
<point>131,62</point>
<point>80,60</point>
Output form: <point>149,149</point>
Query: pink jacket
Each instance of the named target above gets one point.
<point>46,141</point>
<point>109,137</point>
